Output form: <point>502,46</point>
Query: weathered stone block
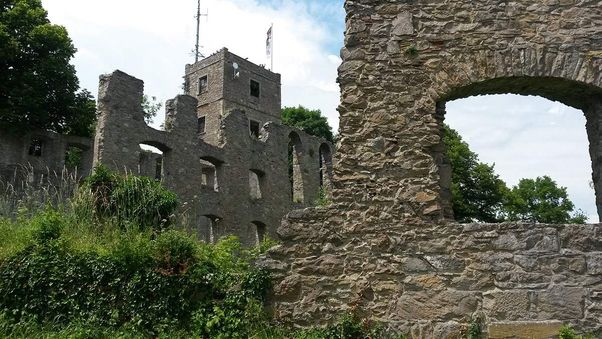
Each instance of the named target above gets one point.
<point>524,329</point>
<point>507,305</point>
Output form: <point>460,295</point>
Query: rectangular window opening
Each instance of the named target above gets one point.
<point>254,88</point>
<point>35,148</point>
<point>254,128</point>
<point>203,84</point>
<point>201,125</point>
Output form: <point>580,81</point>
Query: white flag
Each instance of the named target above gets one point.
<point>269,43</point>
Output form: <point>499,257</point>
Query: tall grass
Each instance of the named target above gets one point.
<point>28,191</point>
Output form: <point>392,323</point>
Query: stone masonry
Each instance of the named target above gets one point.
<point>224,150</point>
<point>386,246</point>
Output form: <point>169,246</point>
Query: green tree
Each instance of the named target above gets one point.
<point>150,107</point>
<point>310,121</point>
<point>541,200</point>
<point>478,194</point>
<point>38,86</point>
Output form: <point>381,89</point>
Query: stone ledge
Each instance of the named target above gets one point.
<point>524,329</point>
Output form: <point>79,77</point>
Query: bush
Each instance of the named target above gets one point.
<point>130,199</point>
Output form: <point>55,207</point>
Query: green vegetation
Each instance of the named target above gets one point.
<point>38,87</point>
<point>150,108</point>
<point>478,193</point>
<point>310,121</point>
<point>90,266</point>
<point>567,332</point>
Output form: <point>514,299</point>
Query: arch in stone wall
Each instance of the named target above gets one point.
<point>569,79</point>
<point>325,159</point>
<point>295,152</point>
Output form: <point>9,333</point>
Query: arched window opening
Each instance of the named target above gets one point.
<point>209,225</point>
<point>255,184</point>
<point>260,230</point>
<point>522,139</point>
<point>74,157</point>
<point>150,163</point>
<point>209,173</point>
<point>294,168</point>
<point>325,167</point>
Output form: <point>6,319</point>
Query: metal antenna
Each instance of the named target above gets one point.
<point>197,52</point>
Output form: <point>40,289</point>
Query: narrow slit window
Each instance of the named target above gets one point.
<point>201,125</point>
<point>203,84</point>
<point>255,90</point>
<point>254,128</point>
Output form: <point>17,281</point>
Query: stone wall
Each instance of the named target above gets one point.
<point>428,279</point>
<point>403,60</point>
<point>236,184</point>
<point>386,246</point>
<point>18,156</point>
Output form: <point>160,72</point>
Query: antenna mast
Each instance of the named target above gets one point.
<point>197,52</point>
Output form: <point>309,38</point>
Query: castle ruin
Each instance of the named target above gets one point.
<point>386,246</point>
<point>235,168</point>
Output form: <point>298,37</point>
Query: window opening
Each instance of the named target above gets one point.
<point>209,174</point>
<point>294,169</point>
<point>203,84</point>
<point>150,163</point>
<point>201,125</point>
<point>255,179</point>
<point>254,128</point>
<point>255,88</point>
<point>260,230</point>
<point>35,148</point>
<point>210,224</point>
<point>73,157</point>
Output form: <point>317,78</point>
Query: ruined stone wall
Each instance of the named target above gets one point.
<point>385,245</point>
<point>18,158</point>
<point>427,280</point>
<point>213,180</point>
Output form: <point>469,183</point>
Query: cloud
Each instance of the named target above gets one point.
<point>152,40</point>
<point>528,137</point>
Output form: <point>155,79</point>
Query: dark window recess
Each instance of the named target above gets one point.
<point>159,169</point>
<point>201,125</point>
<point>35,148</point>
<point>203,84</point>
<point>254,128</point>
<point>254,88</point>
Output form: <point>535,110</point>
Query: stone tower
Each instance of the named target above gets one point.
<point>224,82</point>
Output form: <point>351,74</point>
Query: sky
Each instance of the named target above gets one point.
<point>152,40</point>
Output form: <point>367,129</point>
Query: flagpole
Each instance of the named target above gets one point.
<point>272,54</point>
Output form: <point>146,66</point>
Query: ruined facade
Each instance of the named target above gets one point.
<point>386,245</point>
<point>224,150</point>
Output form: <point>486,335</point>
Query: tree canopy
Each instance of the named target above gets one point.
<point>38,87</point>
<point>541,200</point>
<point>307,120</point>
<point>478,193</point>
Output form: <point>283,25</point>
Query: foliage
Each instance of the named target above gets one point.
<point>567,332</point>
<point>478,194</point>
<point>138,200</point>
<point>541,200</point>
<point>73,158</point>
<point>474,329</point>
<point>38,86</point>
<point>150,108</point>
<point>322,200</point>
<point>310,121</point>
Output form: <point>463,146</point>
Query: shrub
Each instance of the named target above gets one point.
<point>130,199</point>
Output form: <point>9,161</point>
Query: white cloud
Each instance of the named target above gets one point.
<point>528,137</point>
<point>152,40</point>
